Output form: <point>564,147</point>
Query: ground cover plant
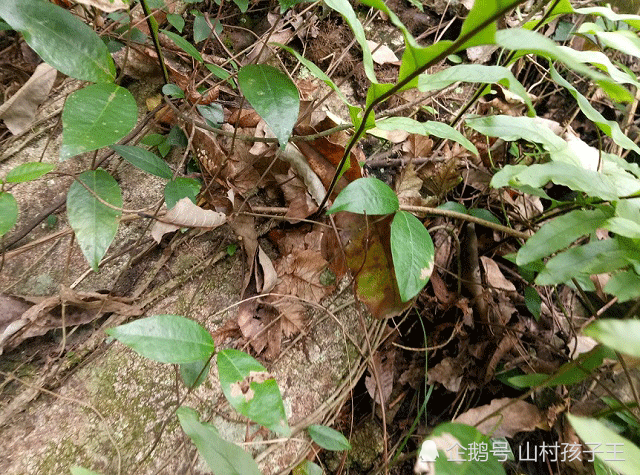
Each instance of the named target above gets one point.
<point>554,209</point>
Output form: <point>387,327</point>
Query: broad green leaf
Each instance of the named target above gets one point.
<point>222,457</point>
<point>274,97</point>
<point>602,62</point>
<point>8,212</point>
<point>28,172</point>
<point>180,188</point>
<point>251,390</point>
<point>152,140</point>
<point>625,41</point>
<point>144,160</point>
<point>173,91</point>
<point>193,374</point>
<point>524,42</point>
<point>558,8</point>
<point>94,223</point>
<point>606,12</point>
<point>624,285</point>
<point>201,29</point>
<point>242,4</point>
<point>465,436</point>
<point>559,232</point>
<point>594,257</point>
<point>596,435</point>
<point>484,214</point>
<point>95,117</point>
<point>307,467</point>
<point>430,127</point>
<point>328,438</point>
<point>577,178</point>
<point>366,196</point>
<point>166,339</point>
<point>621,335</point>
<point>623,227</point>
<point>213,114</point>
<point>176,21</point>
<point>515,128</point>
<point>220,73</point>
<point>60,39</point>
<point>609,127</point>
<point>481,11</point>
<point>453,206</point>
<point>475,73</point>
<point>413,254</point>
<point>184,45</point>
<point>346,10</point>
<point>75,470</point>
<point>507,177</point>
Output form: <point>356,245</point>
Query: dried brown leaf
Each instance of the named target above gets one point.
<point>20,109</point>
<point>494,276</point>
<point>384,372</point>
<point>514,416</point>
<point>186,214</point>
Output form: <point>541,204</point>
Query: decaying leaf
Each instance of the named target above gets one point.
<point>186,215</point>
<point>385,372</point>
<point>513,417</point>
<point>298,276</point>
<point>20,109</point>
<point>448,373</point>
<point>494,276</point>
<point>45,313</point>
<point>106,5</point>
<point>366,242</point>
<point>383,54</point>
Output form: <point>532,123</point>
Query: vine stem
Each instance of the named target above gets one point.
<point>455,46</point>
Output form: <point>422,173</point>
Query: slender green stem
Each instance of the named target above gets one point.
<point>153,29</point>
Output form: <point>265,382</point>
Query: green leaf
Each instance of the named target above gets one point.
<point>453,206</point>
<point>595,434</point>
<point>173,91</point>
<point>625,41</point>
<point>606,12</point>
<point>95,117</point>
<point>274,97</point>
<point>624,285</point>
<point>524,42</point>
<point>176,21</point>
<point>166,339</point>
<point>222,457</point>
<point>413,254</point>
<point>366,196</point>
<point>307,467</point>
<point>242,5</point>
<point>184,45</point>
<point>28,172</point>
<point>144,160</point>
<point>251,390</point>
<point>328,438</point>
<point>475,73</point>
<point>430,127</point>
<point>594,257</point>
<point>484,214</point>
<point>8,212</point>
<point>60,39</point>
<point>201,29</point>
<point>346,10</point>
<point>152,140</point>
<point>94,223</point>
<point>193,374</point>
<point>465,436</point>
<point>180,188</point>
<point>623,227</point>
<point>75,470</point>
<point>602,62</point>
<point>533,301</point>
<point>515,128</point>
<point>621,335</point>
<point>609,127</point>
<point>213,114</point>
<point>559,232</point>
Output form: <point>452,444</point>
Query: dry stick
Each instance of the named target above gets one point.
<point>383,97</point>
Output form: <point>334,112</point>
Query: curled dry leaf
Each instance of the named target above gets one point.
<point>186,215</point>
<point>384,370</point>
<point>20,109</point>
<point>43,314</point>
<point>494,276</point>
<point>383,54</point>
<point>513,416</point>
<point>106,5</point>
